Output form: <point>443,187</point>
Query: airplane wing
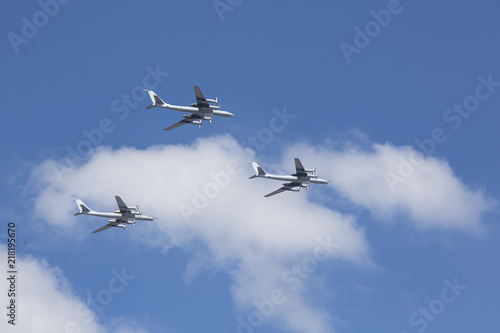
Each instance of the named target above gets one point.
<point>286,187</point>
<point>124,219</point>
<point>178,124</point>
<point>299,169</point>
<point>106,227</point>
<point>187,120</point>
<point>283,189</point>
<point>200,99</point>
<point>123,207</point>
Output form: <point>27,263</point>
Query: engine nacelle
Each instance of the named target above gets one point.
<point>295,189</point>
<point>123,226</point>
<point>312,172</point>
<point>214,101</point>
<point>196,122</point>
<point>194,104</point>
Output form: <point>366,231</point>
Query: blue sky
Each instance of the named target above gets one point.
<point>416,228</point>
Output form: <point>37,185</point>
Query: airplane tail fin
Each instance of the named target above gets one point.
<point>157,101</point>
<point>84,209</point>
<point>259,172</point>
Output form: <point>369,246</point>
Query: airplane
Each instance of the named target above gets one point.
<point>302,178</point>
<point>120,218</point>
<point>201,110</point>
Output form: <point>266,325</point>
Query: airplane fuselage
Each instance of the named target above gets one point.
<point>306,179</point>
<point>213,110</point>
<point>130,218</point>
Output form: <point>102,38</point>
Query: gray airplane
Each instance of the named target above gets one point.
<point>120,218</point>
<point>201,110</point>
<point>301,178</point>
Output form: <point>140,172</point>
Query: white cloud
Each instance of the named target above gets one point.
<point>399,182</point>
<point>45,302</point>
<point>202,193</point>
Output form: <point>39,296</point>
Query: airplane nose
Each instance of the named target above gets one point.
<point>224,113</point>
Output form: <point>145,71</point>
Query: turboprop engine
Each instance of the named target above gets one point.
<point>312,172</point>
<point>123,226</point>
